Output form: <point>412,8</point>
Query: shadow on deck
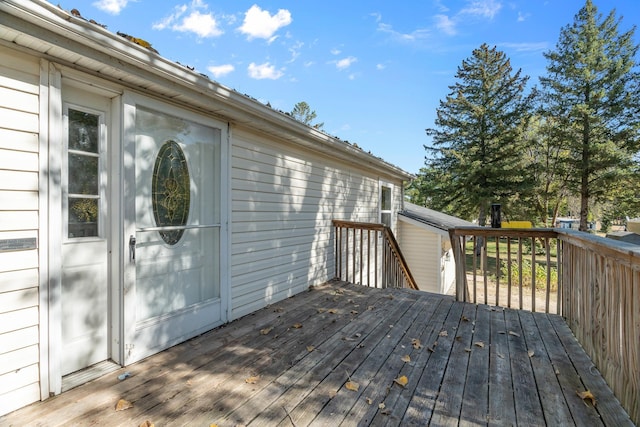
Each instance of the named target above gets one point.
<point>289,364</point>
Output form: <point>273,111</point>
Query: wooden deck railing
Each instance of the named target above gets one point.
<point>368,254</point>
<point>592,281</point>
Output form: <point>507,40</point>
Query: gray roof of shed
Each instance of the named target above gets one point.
<point>433,218</point>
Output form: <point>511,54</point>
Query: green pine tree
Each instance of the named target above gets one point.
<point>592,92</point>
<point>478,140</point>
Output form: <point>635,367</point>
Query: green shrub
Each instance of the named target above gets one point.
<point>540,274</point>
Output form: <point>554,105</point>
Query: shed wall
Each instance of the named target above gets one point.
<point>422,250</point>
<point>19,332</point>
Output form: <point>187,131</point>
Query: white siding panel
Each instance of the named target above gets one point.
<point>18,100</point>
<point>19,397</point>
<point>17,181</point>
<point>18,260</point>
<point>283,201</point>
<point>18,160</point>
<point>18,339</point>
<point>20,141</point>
<point>422,251</point>
<point>18,378</point>
<point>18,120</point>
<point>17,300</point>
<point>18,279</point>
<point>16,360</point>
<point>19,200</point>
<point>19,71</point>
<point>19,319</point>
<point>18,220</point>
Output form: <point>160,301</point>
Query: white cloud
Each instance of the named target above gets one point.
<point>114,7</point>
<point>415,35</point>
<point>261,24</point>
<point>189,19</point>
<point>484,8</point>
<point>345,63</point>
<point>335,51</point>
<point>522,16</point>
<point>220,70</point>
<point>445,24</point>
<point>380,66</point>
<point>526,47</point>
<point>295,51</point>
<point>264,71</point>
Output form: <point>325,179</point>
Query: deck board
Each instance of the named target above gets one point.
<point>476,365</point>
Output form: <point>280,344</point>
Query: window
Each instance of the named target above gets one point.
<point>83,174</point>
<point>385,204</point>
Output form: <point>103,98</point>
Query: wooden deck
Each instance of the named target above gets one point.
<point>290,364</point>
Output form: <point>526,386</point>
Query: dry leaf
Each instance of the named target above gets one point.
<point>339,291</point>
<point>278,309</point>
<point>390,296</point>
<point>381,405</point>
<point>354,312</point>
<point>465,319</point>
<point>531,353</point>
<point>265,331</point>
<point>321,310</point>
<point>310,348</point>
<point>416,343</point>
<point>252,380</point>
<point>297,325</point>
<point>403,380</point>
<point>369,401</point>
<point>406,358</point>
<point>468,350</point>
<point>332,394</point>
<point>444,334</point>
<point>147,423</point>
<point>515,334</point>
<point>479,344</point>
<point>351,385</point>
<point>213,425</point>
<point>587,395</point>
<point>333,310</point>
<point>123,404</point>
<point>500,355</point>
<point>371,307</point>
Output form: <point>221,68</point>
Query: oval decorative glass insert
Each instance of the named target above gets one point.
<point>171,191</point>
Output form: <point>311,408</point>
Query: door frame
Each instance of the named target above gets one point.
<point>54,78</point>
<point>131,100</point>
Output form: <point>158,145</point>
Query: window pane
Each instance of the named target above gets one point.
<point>83,174</point>
<point>83,131</point>
<point>385,203</point>
<point>386,219</point>
<point>83,217</point>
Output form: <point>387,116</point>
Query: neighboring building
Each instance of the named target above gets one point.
<point>142,204</point>
<point>424,238</point>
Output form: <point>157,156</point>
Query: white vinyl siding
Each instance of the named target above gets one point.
<point>283,202</point>
<point>19,311</point>
<point>422,250</point>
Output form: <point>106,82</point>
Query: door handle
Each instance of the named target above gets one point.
<point>132,248</point>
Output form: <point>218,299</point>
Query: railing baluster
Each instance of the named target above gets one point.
<point>497,270</point>
<point>520,272</point>
<point>509,272</point>
<point>533,274</point>
<point>547,247</point>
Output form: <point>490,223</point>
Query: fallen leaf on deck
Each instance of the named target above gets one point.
<point>444,334</point>
<point>468,350</point>
<point>416,343</point>
<point>213,425</point>
<point>332,394</point>
<point>354,312</point>
<point>351,385</point>
<point>465,319</point>
<point>406,358</point>
<point>515,334</point>
<point>587,395</point>
<point>332,310</point>
<point>310,348</point>
<point>147,423</point>
<point>252,380</point>
<point>123,404</point>
<point>531,353</point>
<point>321,310</point>
<point>339,291</point>
<point>381,405</point>
<point>371,307</point>
<point>403,380</point>
<point>369,401</point>
<point>297,325</point>
<point>479,344</point>
<point>265,331</point>
<point>390,296</point>
<point>278,309</point>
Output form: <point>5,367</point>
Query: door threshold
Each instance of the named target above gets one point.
<point>87,374</point>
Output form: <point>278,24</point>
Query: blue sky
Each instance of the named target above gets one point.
<point>374,71</point>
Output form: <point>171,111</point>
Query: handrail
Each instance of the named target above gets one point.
<point>393,269</point>
<point>598,291</point>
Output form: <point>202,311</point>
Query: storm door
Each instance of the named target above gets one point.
<point>172,226</point>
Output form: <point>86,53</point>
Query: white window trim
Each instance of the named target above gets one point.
<point>385,184</point>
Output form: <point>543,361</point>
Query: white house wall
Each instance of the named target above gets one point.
<point>283,202</point>
<point>19,311</point>
<point>422,250</point>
